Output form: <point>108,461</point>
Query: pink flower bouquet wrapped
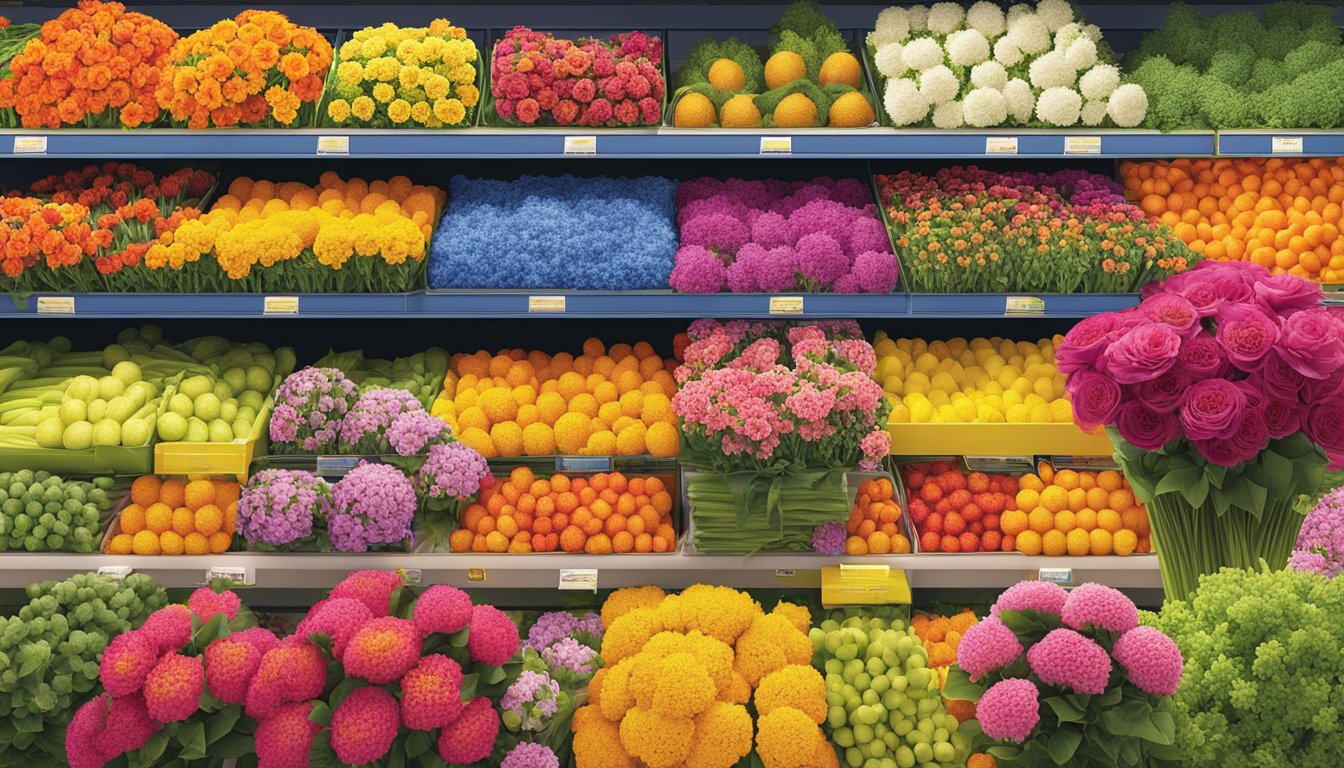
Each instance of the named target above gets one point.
<point>1223,393</point>
<point>539,79</point>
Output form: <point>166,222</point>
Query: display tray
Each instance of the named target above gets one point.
<point>996,440</point>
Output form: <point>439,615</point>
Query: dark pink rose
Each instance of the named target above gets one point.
<point>1203,357</point>
<point>1282,418</point>
<point>1324,424</point>
<point>1247,334</point>
<point>1095,398</point>
<point>1203,296</point>
<point>1163,394</point>
<point>613,88</point>
<point>1084,343</point>
<point>1176,311</point>
<point>604,66</point>
<point>1145,427</point>
<point>1211,409</point>
<point>506,108</point>
<point>1224,453</point>
<point>1144,352</point>
<point>1311,342</point>
<point>1286,294</point>
<point>1279,379</point>
<point>1251,389</point>
<point>1252,434</point>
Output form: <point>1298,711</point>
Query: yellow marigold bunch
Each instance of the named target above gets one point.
<point>672,693</point>
<point>403,77</point>
<point>257,70</point>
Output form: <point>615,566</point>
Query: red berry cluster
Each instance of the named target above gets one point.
<point>954,511</point>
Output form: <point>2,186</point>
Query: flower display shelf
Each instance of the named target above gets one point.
<point>996,440</point>
<point>1284,142</point>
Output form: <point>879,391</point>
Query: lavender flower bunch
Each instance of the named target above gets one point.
<point>310,406</point>
<point>550,628</point>
<point>374,505</point>
<point>364,428</point>
<point>531,702</point>
<point>279,507</point>
<point>1320,543</point>
<point>451,471</point>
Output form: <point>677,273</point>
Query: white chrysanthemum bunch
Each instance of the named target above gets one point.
<point>981,67</point>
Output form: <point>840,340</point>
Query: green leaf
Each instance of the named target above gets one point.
<point>418,743</point>
<point>153,748</point>
<point>29,724</point>
<point>959,685</point>
<point>1063,744</point>
<point>1065,710</point>
<point>469,682</point>
<point>494,675</point>
<point>343,689</point>
<point>234,746</point>
<point>320,754</point>
<point>459,638</point>
<point>321,714</point>
<point>1179,481</point>
<point>211,630</point>
<point>192,737</point>
<point>397,758</point>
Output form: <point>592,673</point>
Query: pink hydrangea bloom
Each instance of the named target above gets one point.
<point>288,673</point>
<point>229,667</point>
<point>1151,660</point>
<point>1009,710</point>
<point>1100,606</point>
<point>1040,596</point>
<point>987,646</point>
<point>431,693</point>
<point>127,660</point>
<point>372,588</point>
<point>283,740</point>
<point>169,628</point>
<point>205,603</point>
<point>127,727</point>
<point>1064,657</point>
<point>258,637</point>
<point>81,736</point>
<point>442,608</point>
<point>364,725</point>
<point>383,650</point>
<point>173,688</point>
<point>493,638</point>
<point>471,736</point>
<point>338,618</point>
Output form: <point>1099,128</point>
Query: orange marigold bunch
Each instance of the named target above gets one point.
<point>94,66</point>
<point>32,232</point>
<point>257,70</point>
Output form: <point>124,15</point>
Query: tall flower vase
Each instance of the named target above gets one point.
<point>1206,517</point>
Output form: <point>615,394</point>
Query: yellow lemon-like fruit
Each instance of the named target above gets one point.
<point>795,111</point>
<point>1101,541</point>
<point>694,110</point>
<point>1124,542</point>
<point>727,75</point>
<point>784,67</point>
<point>840,67</point>
<point>851,110</point>
<point>1080,543</point>
<point>1054,543</point>
<point>740,112</point>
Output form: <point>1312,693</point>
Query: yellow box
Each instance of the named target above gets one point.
<point>996,440</point>
<point>232,458</point>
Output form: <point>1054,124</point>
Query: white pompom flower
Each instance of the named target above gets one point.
<point>918,16</point>
<point>903,102</point>
<point>1093,32</point>
<point>1007,53</point>
<point>1067,34</point>
<point>1021,100</point>
<point>1081,54</point>
<point>922,53</point>
<point>1055,13</point>
<point>1128,105</point>
<point>889,60</point>
<point>938,85</point>
<point>1099,81</point>
<point>948,115</point>
<point>1015,11</point>
<point>1051,70</point>
<point>1094,112</point>
<point>984,108</point>
<point>967,47</point>
<point>944,18</point>
<point>1029,34</point>
<point>986,18</point>
<point>893,25</point>
<point>989,74</point>
<point>1059,107</point>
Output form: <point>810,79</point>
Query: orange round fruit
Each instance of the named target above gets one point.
<point>219,541</point>
<point>132,519</point>
<point>851,110</point>
<point>841,67</point>
<point>145,490</point>
<point>795,111</point>
<point>726,75</point>
<point>158,518</point>
<point>199,493</point>
<point>694,110</point>
<point>784,67</point>
<point>120,544</point>
<point>145,542</point>
<point>196,544</point>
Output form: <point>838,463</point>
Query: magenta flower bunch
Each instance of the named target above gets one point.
<point>755,395</point>
<point>1320,543</point>
<point>820,236</point>
<point>1048,660</point>
<point>537,78</point>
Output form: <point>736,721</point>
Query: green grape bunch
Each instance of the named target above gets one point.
<point>40,512</point>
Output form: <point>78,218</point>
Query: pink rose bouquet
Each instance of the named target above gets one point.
<point>1223,393</point>
<point>1047,662</point>
<point>539,79</point>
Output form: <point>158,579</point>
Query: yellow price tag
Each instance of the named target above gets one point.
<point>546,304</point>
<point>55,305</point>
<point>786,305</point>
<point>280,305</point>
<point>776,145</point>
<point>863,585</point>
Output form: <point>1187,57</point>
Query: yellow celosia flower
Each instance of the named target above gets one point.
<point>339,110</point>
<point>796,685</point>
<point>408,52</point>
<point>722,737</point>
<point>458,52</point>
<point>362,108</point>
<point>398,111</point>
<point>787,738</point>
<point>656,741</point>
<point>597,742</point>
<point>372,46</point>
<point>622,601</point>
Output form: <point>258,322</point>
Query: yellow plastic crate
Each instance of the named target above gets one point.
<point>996,440</point>
<point>232,458</point>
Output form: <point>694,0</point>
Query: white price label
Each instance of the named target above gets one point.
<point>1056,575</point>
<point>546,304</point>
<point>1285,145</point>
<point>410,575</point>
<point>1082,145</point>
<point>1000,145</point>
<point>333,145</point>
<point>30,145</point>
<point>786,305</point>
<point>776,145</point>
<point>280,305</point>
<point>578,579</point>
<point>55,305</point>
<point>580,145</point>
<point>784,573</point>
<point>234,573</point>
<point>117,572</point>
<point>1024,305</point>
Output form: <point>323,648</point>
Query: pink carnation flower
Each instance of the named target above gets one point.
<point>493,638</point>
<point>127,727</point>
<point>372,588</point>
<point>364,725</point>
<point>1042,596</point>
<point>383,650</point>
<point>471,736</point>
<point>81,736</point>
<point>338,618</point>
<point>205,603</point>
<point>168,628</point>
<point>431,694</point>
<point>1009,710</point>
<point>283,740</point>
<point>173,688</point>
<point>229,667</point>
<point>442,608</point>
<point>1151,660</point>
<point>1100,606</point>
<point>1064,657</point>
<point>126,662</point>
<point>987,646</point>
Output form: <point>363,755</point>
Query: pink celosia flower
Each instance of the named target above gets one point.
<point>1042,596</point>
<point>987,646</point>
<point>364,725</point>
<point>338,618</point>
<point>1151,660</point>
<point>205,603</point>
<point>493,638</point>
<point>383,650</point>
<point>127,727</point>
<point>168,628</point>
<point>1009,710</point>
<point>372,588</point>
<point>471,736</point>
<point>283,740</point>
<point>81,736</point>
<point>1064,657</point>
<point>1100,606</point>
<point>173,688</point>
<point>442,608</point>
<point>288,673</point>
<point>431,693</point>
<point>127,660</point>
<point>229,667</point>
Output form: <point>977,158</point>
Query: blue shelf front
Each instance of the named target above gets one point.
<point>653,143</point>
<point>216,305</point>
<point>988,305</point>
<point>1285,143</point>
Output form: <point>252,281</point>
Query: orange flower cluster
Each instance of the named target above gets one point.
<point>55,234</point>
<point>94,66</point>
<point>256,70</point>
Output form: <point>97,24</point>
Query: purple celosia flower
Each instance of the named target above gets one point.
<point>572,655</point>
<point>1151,660</point>
<point>821,260</point>
<point>532,698</point>
<point>829,538</point>
<point>451,470</point>
<point>1320,543</point>
<point>876,271</point>
<point>309,407</point>
<point>373,505</point>
<point>364,428</point>
<point>278,506</point>
<point>717,232</point>
<point>411,431</point>
<point>530,755</point>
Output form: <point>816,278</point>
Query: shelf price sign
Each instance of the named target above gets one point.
<point>786,305</point>
<point>30,145</point>
<point>1082,145</point>
<point>1000,145</point>
<point>1023,305</point>
<point>578,579</point>
<point>280,305</point>
<point>1285,145</point>
<point>776,145</point>
<point>333,145</point>
<point>1062,576</point>
<point>55,305</point>
<point>580,145</point>
<point>546,304</point>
